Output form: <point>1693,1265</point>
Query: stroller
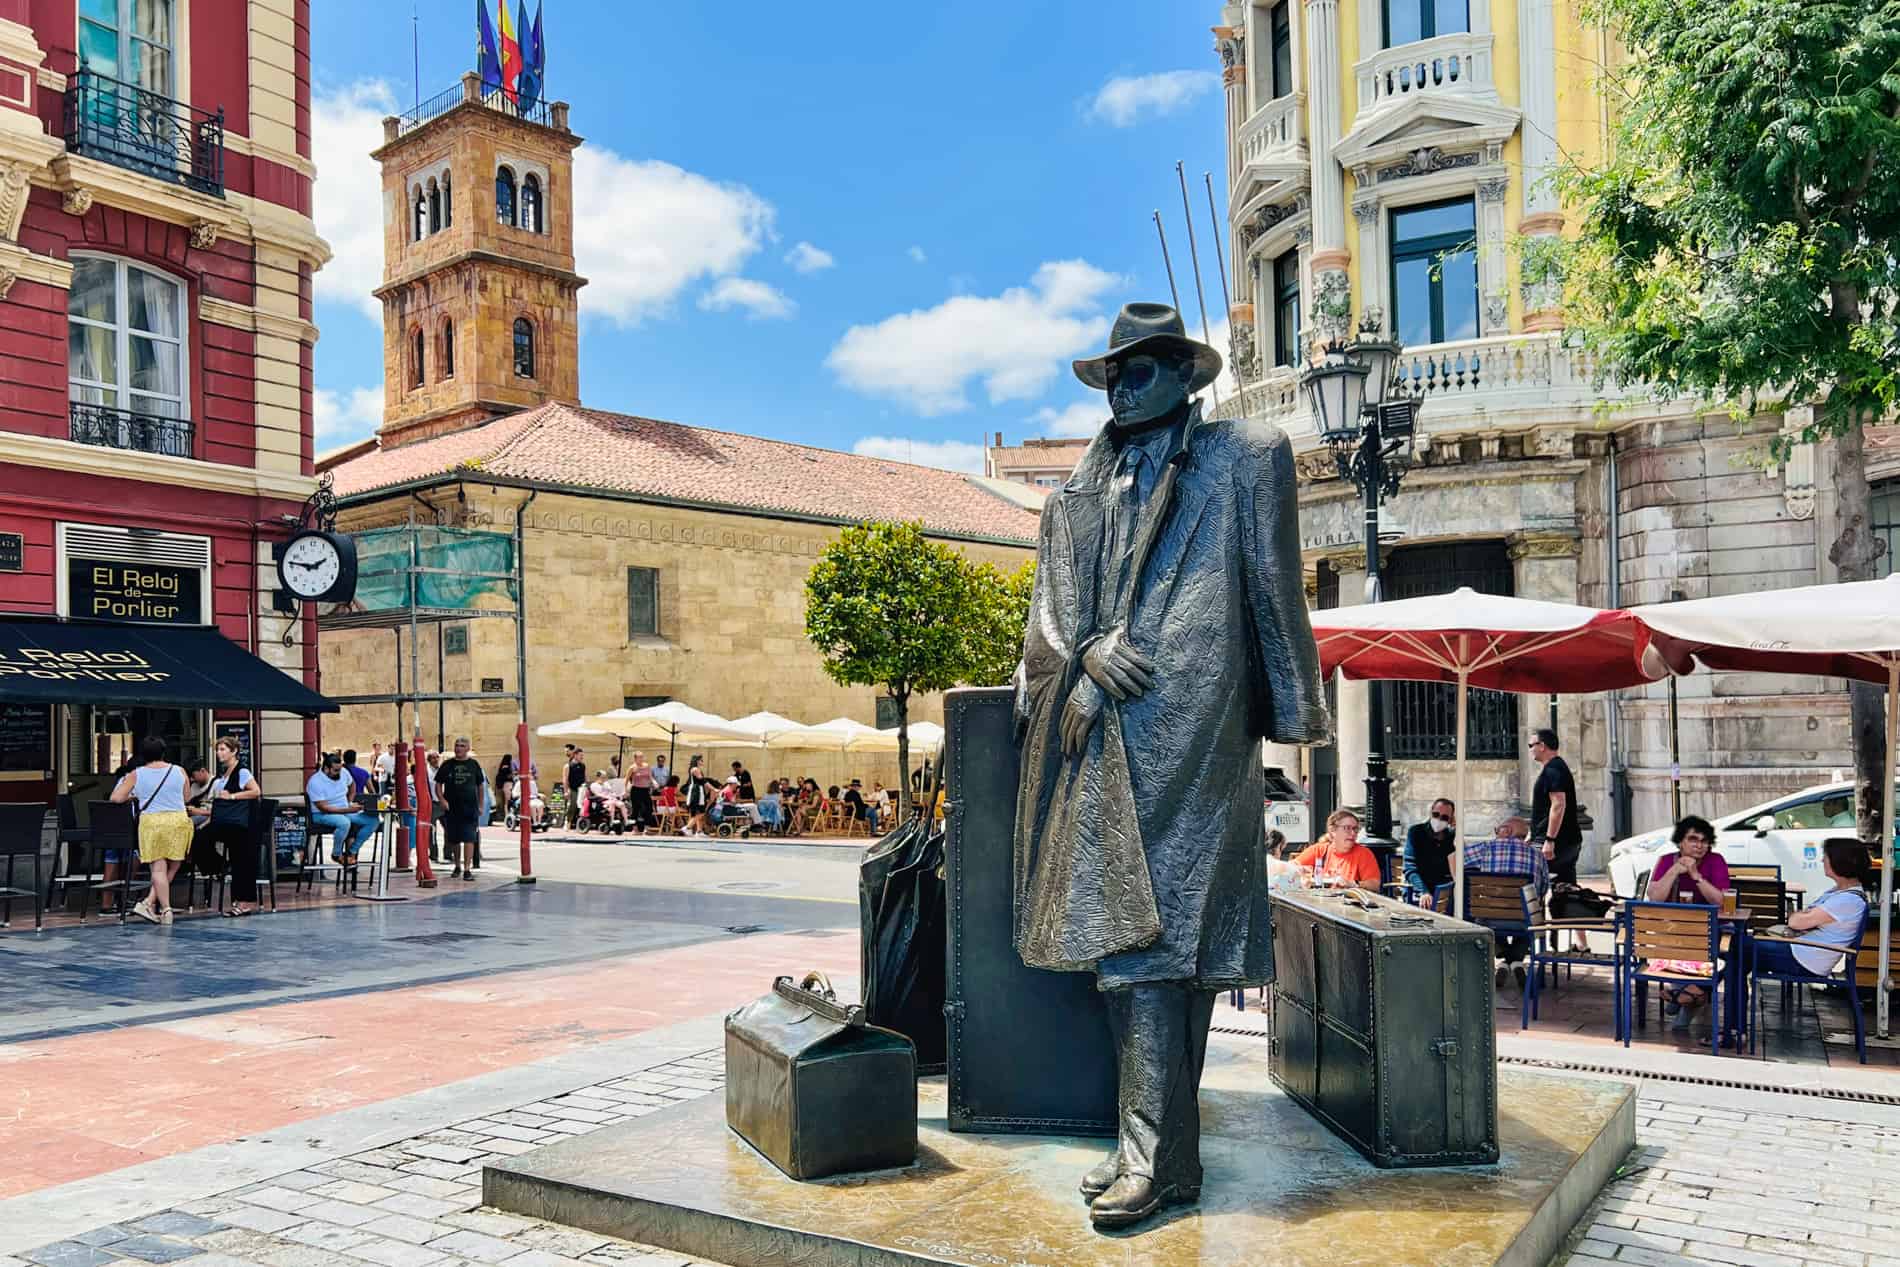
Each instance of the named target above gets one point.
<point>596,816</point>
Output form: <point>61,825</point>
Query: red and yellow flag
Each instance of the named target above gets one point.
<point>510,56</point>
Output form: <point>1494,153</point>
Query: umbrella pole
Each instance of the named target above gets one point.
<point>1458,817</point>
<point>1886,849</point>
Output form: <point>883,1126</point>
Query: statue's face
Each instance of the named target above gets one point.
<point>1142,389</point>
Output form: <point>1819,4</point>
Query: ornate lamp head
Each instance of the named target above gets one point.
<point>1336,391</point>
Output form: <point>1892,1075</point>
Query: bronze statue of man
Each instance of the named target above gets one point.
<point>1168,636</point>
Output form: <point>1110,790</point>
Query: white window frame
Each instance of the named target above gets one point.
<point>122,349</point>
<point>1374,201</point>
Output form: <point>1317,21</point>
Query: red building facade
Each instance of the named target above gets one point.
<point>156,256</point>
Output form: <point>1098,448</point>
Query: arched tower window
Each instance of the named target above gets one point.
<point>435,207</point>
<point>415,358</point>
<point>448,207</point>
<point>505,195</point>
<point>446,357</point>
<point>422,214</point>
<point>524,348</point>
<point>531,203</point>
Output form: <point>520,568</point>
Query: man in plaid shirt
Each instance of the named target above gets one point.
<point>1510,853</point>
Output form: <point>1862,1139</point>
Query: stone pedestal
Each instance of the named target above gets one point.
<point>1280,1189</point>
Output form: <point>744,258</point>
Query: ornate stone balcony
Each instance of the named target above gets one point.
<point>1446,65</point>
<point>1276,132</point>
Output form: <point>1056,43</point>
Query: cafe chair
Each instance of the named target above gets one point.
<point>263,815</point>
<point>21,827</point>
<point>315,862</point>
<point>1846,976</point>
<point>1547,953</point>
<point>1654,931</point>
<point>70,852</point>
<point>113,827</point>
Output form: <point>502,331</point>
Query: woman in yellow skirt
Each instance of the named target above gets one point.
<point>157,788</point>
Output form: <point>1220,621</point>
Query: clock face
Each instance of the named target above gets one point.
<point>310,566</point>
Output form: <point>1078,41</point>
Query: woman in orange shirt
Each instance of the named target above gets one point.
<point>1340,855</point>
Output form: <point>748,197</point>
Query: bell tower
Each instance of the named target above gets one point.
<point>481,303</point>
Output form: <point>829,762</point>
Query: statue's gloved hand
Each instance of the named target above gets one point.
<point>1079,714</point>
<point>1117,667</point>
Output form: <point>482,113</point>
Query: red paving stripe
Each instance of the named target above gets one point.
<point>92,1103</point>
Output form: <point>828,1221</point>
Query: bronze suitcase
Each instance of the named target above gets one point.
<point>1029,1050</point>
<point>814,1088</point>
<point>1382,1027</point>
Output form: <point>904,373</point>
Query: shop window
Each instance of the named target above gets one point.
<point>1286,309</point>
<point>505,195</point>
<point>1423,716</point>
<point>446,358</point>
<point>531,203</point>
<point>1435,272</point>
<point>126,349</point>
<point>1408,21</point>
<point>128,40</point>
<point>643,602</point>
<point>524,348</point>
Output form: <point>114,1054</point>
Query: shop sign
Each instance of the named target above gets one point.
<point>492,686</point>
<point>12,552</point>
<point>154,593</point>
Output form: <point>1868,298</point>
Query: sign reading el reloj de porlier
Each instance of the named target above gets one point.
<point>149,592</point>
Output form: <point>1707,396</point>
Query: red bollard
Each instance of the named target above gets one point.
<point>425,814</point>
<point>406,836</point>
<point>522,767</point>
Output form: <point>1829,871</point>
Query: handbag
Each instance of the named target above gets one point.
<point>228,813</point>
<point>1574,901</point>
<point>815,1088</point>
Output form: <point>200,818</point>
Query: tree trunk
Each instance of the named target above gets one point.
<point>1856,555</point>
<point>903,756</point>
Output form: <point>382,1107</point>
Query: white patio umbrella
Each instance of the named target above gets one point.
<point>671,723</point>
<point>927,735</point>
<point>1850,630</point>
<point>575,728</point>
<point>1485,640</point>
<point>763,725</point>
<point>826,736</point>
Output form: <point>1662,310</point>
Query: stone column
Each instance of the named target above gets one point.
<point>1230,42</point>
<point>1332,299</point>
<point>1540,287</point>
<point>1373,280</point>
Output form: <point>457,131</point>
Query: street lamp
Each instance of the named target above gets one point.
<point>1371,439</point>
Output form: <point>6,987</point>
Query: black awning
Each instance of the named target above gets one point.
<point>164,666</point>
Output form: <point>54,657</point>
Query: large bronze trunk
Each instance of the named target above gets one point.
<point>1382,1027</point>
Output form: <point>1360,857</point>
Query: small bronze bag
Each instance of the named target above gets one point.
<point>814,1088</point>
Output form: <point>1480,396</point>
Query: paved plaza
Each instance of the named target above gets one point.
<point>321,1088</point>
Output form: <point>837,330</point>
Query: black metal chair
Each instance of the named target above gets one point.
<point>21,827</point>
<point>316,859</point>
<point>71,851</point>
<point>113,828</point>
<point>263,815</point>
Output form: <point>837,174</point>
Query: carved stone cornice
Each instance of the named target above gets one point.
<point>1543,545</point>
<point>76,202</point>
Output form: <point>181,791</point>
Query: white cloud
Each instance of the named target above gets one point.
<point>1082,419</point>
<point>806,258</point>
<point>1123,100</point>
<point>760,301</point>
<point>648,229</point>
<point>917,253</point>
<point>346,124</point>
<point>1015,342</point>
<point>951,455</point>
<point>346,417</point>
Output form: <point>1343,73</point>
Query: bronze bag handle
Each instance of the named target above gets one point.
<point>823,1000</point>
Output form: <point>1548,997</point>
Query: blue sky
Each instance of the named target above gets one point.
<point>884,227</point>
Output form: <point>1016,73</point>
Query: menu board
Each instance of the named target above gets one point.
<point>241,732</point>
<point>26,737</point>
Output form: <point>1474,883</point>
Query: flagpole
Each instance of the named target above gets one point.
<point>415,50</point>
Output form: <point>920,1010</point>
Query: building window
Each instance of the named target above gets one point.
<point>531,203</point>
<point>505,195</point>
<point>125,339</point>
<point>455,640</point>
<point>1286,308</point>
<point>128,40</point>
<point>643,602</point>
<point>644,701</point>
<point>1423,716</point>
<point>1886,521</point>
<point>415,358</point>
<point>1280,27</point>
<point>422,214</point>
<point>1408,21</point>
<point>435,208</point>
<point>446,358</point>
<point>1435,273</point>
<point>448,207</point>
<point>1048,481</point>
<point>886,713</point>
<point>524,348</point>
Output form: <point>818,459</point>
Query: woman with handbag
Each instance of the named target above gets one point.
<point>157,788</point>
<point>227,821</point>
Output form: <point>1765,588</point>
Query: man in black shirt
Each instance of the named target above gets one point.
<point>576,780</point>
<point>1554,810</point>
<point>458,784</point>
<point>747,792</point>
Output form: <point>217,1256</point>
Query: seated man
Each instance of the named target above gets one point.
<point>1427,857</point>
<point>1509,852</point>
<point>330,796</point>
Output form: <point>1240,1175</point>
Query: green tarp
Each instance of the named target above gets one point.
<point>384,555</point>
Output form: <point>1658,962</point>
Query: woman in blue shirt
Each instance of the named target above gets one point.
<point>1834,920</point>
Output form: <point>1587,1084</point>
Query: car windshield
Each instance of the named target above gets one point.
<point>1810,811</point>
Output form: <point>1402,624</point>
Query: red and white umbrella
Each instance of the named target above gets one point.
<point>1850,630</point>
<point>1484,640</point>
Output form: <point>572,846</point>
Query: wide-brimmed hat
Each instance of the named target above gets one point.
<point>1150,328</point>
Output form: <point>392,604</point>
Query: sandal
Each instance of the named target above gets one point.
<point>238,912</point>
<point>145,912</point>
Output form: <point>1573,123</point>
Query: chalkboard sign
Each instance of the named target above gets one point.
<point>240,731</point>
<point>26,737</point>
<point>12,552</point>
<point>287,839</point>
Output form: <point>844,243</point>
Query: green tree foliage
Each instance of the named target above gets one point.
<point>886,606</point>
<point>1739,244</point>
<point>996,635</point>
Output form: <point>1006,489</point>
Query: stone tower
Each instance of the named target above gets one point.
<point>481,313</point>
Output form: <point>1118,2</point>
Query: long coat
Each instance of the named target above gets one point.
<point>1142,858</point>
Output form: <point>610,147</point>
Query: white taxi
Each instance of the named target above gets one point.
<point>1786,832</point>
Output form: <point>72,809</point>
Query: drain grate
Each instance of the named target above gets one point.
<point>1726,1084</point>
<point>441,939</point>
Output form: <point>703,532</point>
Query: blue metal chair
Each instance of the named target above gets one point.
<point>1497,901</point>
<point>1655,931</point>
<point>1844,975</point>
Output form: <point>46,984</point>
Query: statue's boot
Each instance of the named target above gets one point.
<point>1103,1176</point>
<point>1160,1034</point>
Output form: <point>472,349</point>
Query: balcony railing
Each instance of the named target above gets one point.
<point>133,127</point>
<point>140,433</point>
<point>1276,130</point>
<point>475,92</point>
<point>1457,63</point>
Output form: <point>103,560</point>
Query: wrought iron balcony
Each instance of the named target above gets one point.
<point>121,429</point>
<point>133,127</point>
<point>476,91</point>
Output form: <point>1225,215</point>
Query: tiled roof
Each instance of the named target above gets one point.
<point>617,453</point>
<point>1042,454</point>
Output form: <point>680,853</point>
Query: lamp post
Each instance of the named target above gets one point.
<point>1371,439</point>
